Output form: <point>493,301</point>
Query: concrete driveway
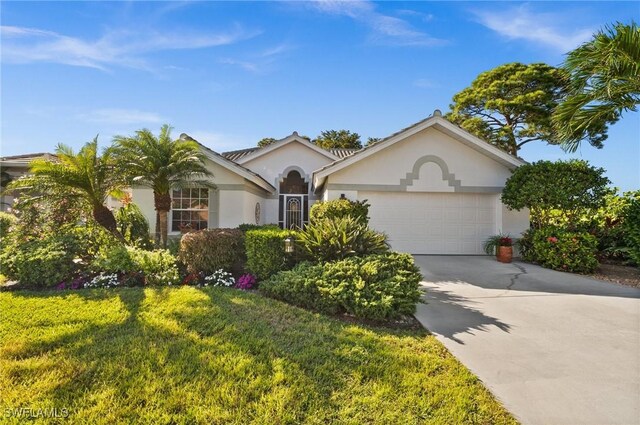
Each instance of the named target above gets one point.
<point>555,348</point>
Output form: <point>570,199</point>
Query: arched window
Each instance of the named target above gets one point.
<point>294,183</point>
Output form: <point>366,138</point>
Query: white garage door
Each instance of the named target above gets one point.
<point>434,223</point>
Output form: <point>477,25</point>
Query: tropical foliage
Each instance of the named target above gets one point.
<point>162,164</point>
<point>604,83</point>
<point>338,208</point>
<point>344,139</point>
<point>330,239</point>
<point>87,177</point>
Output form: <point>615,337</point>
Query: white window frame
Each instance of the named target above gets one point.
<point>207,209</point>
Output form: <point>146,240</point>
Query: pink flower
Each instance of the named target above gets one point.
<point>552,239</point>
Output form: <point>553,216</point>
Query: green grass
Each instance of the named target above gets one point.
<point>189,355</point>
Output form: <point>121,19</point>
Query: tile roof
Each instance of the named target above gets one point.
<point>238,154</point>
<point>26,158</point>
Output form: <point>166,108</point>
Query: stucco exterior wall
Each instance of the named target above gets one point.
<point>391,165</point>
<point>272,165</point>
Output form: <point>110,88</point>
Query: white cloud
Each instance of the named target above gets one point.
<point>523,23</point>
<point>261,61</point>
<point>385,29</point>
<point>115,48</point>
<point>120,116</point>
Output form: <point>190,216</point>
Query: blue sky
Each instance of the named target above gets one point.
<point>230,73</point>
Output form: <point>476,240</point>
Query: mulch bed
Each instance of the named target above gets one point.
<point>618,273</point>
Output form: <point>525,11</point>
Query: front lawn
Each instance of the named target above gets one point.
<point>212,355</point>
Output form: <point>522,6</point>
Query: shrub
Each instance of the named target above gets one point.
<point>244,227</point>
<point>265,251</point>
<point>158,267</point>
<point>632,230</point>
<point>377,287</point>
<point>133,225</point>
<point>208,250</point>
<point>329,239</point>
<point>559,249</point>
<point>340,208</point>
<point>40,262</point>
<point>6,222</point>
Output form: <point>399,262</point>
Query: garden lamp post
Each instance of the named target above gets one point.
<point>288,245</point>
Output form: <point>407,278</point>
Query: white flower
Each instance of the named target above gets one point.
<point>219,278</point>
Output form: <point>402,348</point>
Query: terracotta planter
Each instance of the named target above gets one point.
<point>504,254</point>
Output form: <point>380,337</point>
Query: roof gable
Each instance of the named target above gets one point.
<point>435,121</point>
<point>293,138</point>
<point>232,166</point>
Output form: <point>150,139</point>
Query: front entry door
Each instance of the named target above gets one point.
<point>293,211</point>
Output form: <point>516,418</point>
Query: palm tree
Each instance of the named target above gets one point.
<point>161,164</point>
<point>86,175</point>
<point>604,83</point>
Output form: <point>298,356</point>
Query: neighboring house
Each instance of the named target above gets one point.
<point>433,188</point>
<point>13,167</point>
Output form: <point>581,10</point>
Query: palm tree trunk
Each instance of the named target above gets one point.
<point>157,233</point>
<point>104,217</point>
<point>163,206</point>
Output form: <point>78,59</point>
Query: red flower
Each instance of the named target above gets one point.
<point>505,241</point>
<point>552,239</point>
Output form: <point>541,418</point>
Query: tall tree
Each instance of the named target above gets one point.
<point>511,105</point>
<point>604,82</point>
<point>161,164</point>
<point>344,139</point>
<point>86,176</point>
<point>372,141</point>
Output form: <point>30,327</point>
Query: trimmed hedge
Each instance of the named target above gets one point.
<point>559,249</point>
<point>265,251</point>
<point>377,287</point>
<point>245,227</point>
<point>339,208</point>
<point>6,222</point>
<point>206,251</point>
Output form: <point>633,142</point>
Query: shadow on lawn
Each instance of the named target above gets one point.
<point>257,347</point>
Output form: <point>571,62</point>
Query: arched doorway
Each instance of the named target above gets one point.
<point>293,211</point>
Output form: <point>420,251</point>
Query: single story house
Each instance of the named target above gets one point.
<point>433,187</point>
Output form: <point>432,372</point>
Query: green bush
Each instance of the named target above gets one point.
<point>40,262</point>
<point>133,225</point>
<point>212,249</point>
<point>340,208</point>
<point>158,267</point>
<point>559,249</point>
<point>329,239</point>
<point>376,287</point>
<point>6,222</point>
<point>632,230</point>
<point>244,227</point>
<point>265,251</point>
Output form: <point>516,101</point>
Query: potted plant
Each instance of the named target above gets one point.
<point>501,246</point>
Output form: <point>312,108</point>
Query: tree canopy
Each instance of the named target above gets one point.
<point>343,139</point>
<point>162,164</point>
<point>512,105</point>
<point>604,82</point>
<point>570,186</point>
<point>86,176</point>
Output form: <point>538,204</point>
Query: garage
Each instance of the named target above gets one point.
<point>433,188</point>
<point>434,223</point>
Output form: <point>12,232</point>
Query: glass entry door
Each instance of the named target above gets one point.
<point>293,211</point>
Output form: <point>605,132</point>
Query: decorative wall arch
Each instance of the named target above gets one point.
<point>414,174</point>
<point>287,170</point>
